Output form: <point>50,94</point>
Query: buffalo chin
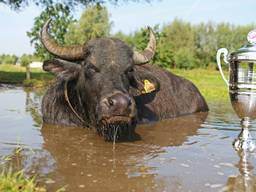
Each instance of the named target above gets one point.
<point>116,128</point>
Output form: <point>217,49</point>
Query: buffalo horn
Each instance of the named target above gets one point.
<point>145,56</point>
<point>64,52</point>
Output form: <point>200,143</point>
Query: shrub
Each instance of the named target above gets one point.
<point>184,59</point>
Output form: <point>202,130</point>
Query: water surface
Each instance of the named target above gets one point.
<point>190,153</point>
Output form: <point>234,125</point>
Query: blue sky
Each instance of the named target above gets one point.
<point>128,17</point>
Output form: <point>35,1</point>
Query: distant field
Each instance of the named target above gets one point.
<point>17,75</point>
<point>209,82</point>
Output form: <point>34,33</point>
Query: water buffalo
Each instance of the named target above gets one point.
<point>106,85</point>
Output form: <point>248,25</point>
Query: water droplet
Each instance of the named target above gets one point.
<point>216,166</point>
<point>227,164</point>
<point>220,173</point>
<point>215,185</point>
<point>184,165</point>
<point>49,181</point>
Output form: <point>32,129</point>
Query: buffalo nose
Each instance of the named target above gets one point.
<point>118,104</point>
<point>119,101</point>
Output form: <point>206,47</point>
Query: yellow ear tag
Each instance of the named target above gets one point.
<point>148,86</point>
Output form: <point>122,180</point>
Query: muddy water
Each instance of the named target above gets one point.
<point>191,153</point>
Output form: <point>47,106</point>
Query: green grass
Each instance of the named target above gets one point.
<point>16,181</point>
<point>17,75</point>
<point>208,81</point>
<point>13,180</point>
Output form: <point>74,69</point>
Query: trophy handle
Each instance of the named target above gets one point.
<point>225,58</point>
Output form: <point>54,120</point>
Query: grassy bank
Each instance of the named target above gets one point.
<point>208,81</point>
<point>17,75</point>
<point>16,181</point>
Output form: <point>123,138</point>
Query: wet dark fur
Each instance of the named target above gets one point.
<point>174,96</point>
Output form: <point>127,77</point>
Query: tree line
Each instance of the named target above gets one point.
<point>23,60</point>
<point>8,59</point>
<point>180,44</point>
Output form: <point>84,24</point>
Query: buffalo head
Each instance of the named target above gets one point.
<point>102,80</point>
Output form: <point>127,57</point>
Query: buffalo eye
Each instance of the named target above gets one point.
<point>129,75</point>
<point>129,71</point>
<point>90,70</point>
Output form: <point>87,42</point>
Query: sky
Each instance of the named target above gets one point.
<point>128,17</point>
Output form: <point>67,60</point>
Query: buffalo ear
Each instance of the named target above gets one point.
<point>144,82</point>
<point>62,68</point>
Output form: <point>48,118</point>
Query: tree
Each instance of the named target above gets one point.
<point>209,37</point>
<point>129,39</point>
<point>8,59</point>
<point>93,23</point>
<point>139,39</point>
<point>205,43</point>
<point>175,36</point>
<point>61,18</point>
<point>164,56</point>
<point>25,60</point>
<point>184,58</point>
<point>18,4</point>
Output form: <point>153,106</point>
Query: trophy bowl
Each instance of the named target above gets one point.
<point>242,87</point>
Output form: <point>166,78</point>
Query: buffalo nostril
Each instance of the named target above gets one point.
<point>129,101</point>
<point>110,102</point>
<point>118,104</point>
<point>119,101</point>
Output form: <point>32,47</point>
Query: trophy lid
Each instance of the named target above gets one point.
<point>248,51</point>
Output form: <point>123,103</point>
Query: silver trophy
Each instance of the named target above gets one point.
<point>242,87</point>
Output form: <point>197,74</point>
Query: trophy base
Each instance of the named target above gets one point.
<point>244,141</point>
